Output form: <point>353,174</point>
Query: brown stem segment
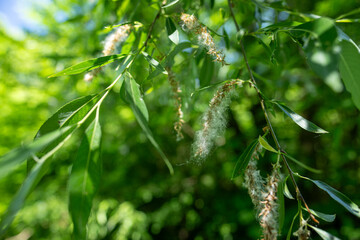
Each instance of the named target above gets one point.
<point>298,193</point>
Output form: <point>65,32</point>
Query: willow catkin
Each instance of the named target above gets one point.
<point>175,88</point>
<point>302,233</point>
<point>110,43</point>
<point>190,23</point>
<point>253,180</point>
<point>270,208</point>
<point>214,121</point>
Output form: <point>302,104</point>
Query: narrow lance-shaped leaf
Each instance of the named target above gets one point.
<point>302,164</point>
<point>29,184</point>
<point>299,120</point>
<point>287,192</point>
<point>349,69</point>
<point>172,32</point>
<point>88,65</point>
<point>158,68</point>
<point>131,94</point>
<point>169,60</point>
<point>244,159</point>
<point>9,161</point>
<point>288,236</point>
<point>266,145</point>
<point>337,196</point>
<point>85,178</point>
<point>281,201</point>
<point>323,234</point>
<point>69,114</point>
<point>323,216</point>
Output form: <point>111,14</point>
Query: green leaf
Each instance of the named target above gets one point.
<point>169,60</point>
<point>322,28</point>
<point>134,96</point>
<point>154,63</point>
<point>337,196</point>
<point>19,155</point>
<point>88,65</point>
<point>69,114</point>
<point>206,71</point>
<point>174,6</point>
<point>323,216</point>
<point>172,32</point>
<point>131,96</point>
<point>299,120</point>
<point>288,236</point>
<point>287,192</point>
<point>349,69</point>
<point>281,202</point>
<point>266,145</point>
<point>323,234</point>
<point>303,165</point>
<point>226,39</point>
<point>244,159</point>
<point>29,184</point>
<point>85,178</point>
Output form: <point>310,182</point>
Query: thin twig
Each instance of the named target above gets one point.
<point>151,29</point>
<point>298,193</point>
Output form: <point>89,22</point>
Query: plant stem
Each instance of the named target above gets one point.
<point>151,29</point>
<point>253,81</point>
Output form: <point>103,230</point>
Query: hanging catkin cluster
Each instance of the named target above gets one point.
<point>214,121</point>
<point>303,232</point>
<point>110,44</point>
<point>269,212</point>
<point>175,88</point>
<point>263,195</point>
<point>190,23</point>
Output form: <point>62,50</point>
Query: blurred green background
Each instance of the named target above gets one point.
<point>138,198</point>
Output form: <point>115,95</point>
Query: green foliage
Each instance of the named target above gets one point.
<point>164,74</point>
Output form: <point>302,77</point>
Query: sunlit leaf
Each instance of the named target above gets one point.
<point>323,234</point>
<point>88,65</point>
<point>9,161</point>
<point>33,178</point>
<point>69,114</point>
<point>172,32</point>
<point>299,120</point>
<point>158,68</point>
<point>266,145</point>
<point>85,178</point>
<point>244,159</point>
<point>129,94</point>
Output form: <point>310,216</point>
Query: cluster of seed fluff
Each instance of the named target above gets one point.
<point>110,44</point>
<point>190,23</point>
<point>269,212</point>
<point>175,88</point>
<point>214,121</point>
<point>302,233</point>
<point>253,180</point>
<point>263,195</point>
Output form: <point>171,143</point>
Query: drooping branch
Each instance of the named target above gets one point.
<point>266,115</point>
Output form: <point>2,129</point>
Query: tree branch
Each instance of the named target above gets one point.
<point>298,193</point>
